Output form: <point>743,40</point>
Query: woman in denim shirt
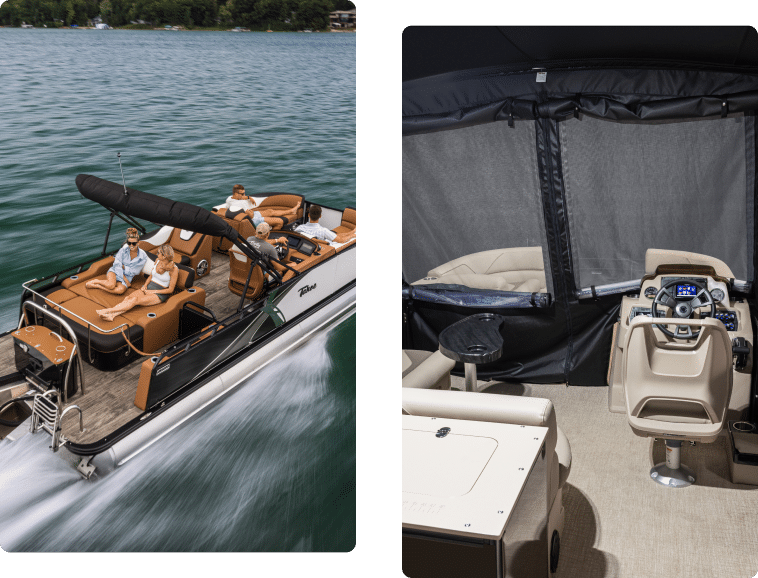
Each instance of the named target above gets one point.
<point>128,262</point>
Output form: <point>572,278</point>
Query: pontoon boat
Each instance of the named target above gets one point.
<point>104,390</point>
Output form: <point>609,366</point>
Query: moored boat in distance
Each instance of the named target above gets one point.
<point>104,390</point>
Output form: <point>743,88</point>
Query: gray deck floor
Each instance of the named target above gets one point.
<point>109,400</point>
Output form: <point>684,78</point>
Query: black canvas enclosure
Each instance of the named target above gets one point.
<point>539,165</point>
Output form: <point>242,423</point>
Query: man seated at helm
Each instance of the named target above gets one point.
<point>263,244</point>
<point>313,229</point>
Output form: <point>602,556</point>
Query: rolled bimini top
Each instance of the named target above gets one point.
<point>153,208</point>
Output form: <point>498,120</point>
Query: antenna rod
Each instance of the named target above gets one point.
<point>122,173</point>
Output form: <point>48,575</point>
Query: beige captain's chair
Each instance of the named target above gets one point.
<point>677,390</point>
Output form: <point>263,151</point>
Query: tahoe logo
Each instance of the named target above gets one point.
<point>307,288</point>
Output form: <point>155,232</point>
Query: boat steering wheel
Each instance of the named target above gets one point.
<point>683,307</point>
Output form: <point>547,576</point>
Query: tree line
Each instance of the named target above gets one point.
<point>254,14</point>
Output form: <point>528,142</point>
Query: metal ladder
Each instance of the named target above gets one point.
<point>47,416</point>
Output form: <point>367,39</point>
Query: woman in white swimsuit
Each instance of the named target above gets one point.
<point>157,289</point>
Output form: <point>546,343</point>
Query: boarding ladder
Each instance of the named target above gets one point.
<point>47,410</point>
<point>47,416</point>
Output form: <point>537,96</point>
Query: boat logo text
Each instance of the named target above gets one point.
<point>304,290</point>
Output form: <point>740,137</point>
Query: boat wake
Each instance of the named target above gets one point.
<point>262,471</point>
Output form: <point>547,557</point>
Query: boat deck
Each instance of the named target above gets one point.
<point>109,401</point>
<point>619,522</point>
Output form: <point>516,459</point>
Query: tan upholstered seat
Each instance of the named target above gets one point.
<point>348,222</point>
<point>190,248</point>
<point>239,266</point>
<point>153,326</point>
<point>270,209</point>
<point>272,206</point>
<point>518,269</point>
<point>426,369</point>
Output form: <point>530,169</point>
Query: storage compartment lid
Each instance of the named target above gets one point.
<point>443,466</point>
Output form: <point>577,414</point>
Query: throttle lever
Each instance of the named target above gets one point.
<point>740,350</point>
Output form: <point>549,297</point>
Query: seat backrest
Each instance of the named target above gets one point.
<point>348,218</point>
<point>186,274</point>
<point>239,265</point>
<point>677,388</point>
<point>186,243</point>
<point>490,407</point>
<point>279,202</point>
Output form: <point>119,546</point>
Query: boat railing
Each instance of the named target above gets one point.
<point>74,352</point>
<point>72,270</point>
<point>61,308</point>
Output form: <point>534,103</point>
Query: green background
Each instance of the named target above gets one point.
<point>378,320</point>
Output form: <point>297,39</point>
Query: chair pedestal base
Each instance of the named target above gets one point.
<point>672,472</point>
<point>679,478</point>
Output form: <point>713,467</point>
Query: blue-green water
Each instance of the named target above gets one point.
<point>192,113</point>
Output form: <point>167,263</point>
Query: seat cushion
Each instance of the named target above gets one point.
<point>426,369</point>
<point>83,308</point>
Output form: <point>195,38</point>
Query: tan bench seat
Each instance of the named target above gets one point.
<point>519,269</point>
<point>149,327</point>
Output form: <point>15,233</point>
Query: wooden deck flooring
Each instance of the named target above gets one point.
<point>109,400</point>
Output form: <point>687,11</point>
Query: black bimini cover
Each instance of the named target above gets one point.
<point>153,208</point>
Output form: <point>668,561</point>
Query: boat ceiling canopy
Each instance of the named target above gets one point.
<point>432,50</point>
<point>153,208</point>
<point>463,76</point>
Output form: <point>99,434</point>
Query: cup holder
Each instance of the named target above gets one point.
<point>152,315</point>
<point>60,348</point>
<point>191,290</point>
<point>74,277</point>
<point>486,317</point>
<point>743,426</point>
<point>154,359</point>
<point>476,349</point>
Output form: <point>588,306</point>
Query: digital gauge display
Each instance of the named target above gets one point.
<point>686,290</point>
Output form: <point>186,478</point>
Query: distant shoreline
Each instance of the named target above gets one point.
<point>182,29</point>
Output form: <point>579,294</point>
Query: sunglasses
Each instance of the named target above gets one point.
<point>132,243</point>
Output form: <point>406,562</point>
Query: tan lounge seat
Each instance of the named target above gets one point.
<point>148,327</point>
<point>518,269</point>
<point>270,209</point>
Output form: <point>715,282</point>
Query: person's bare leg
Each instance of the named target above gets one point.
<point>125,305</point>
<point>111,285</point>
<point>130,302</point>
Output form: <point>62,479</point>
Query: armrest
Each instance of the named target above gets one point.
<point>95,270</point>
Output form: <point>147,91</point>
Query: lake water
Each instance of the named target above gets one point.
<point>192,113</point>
